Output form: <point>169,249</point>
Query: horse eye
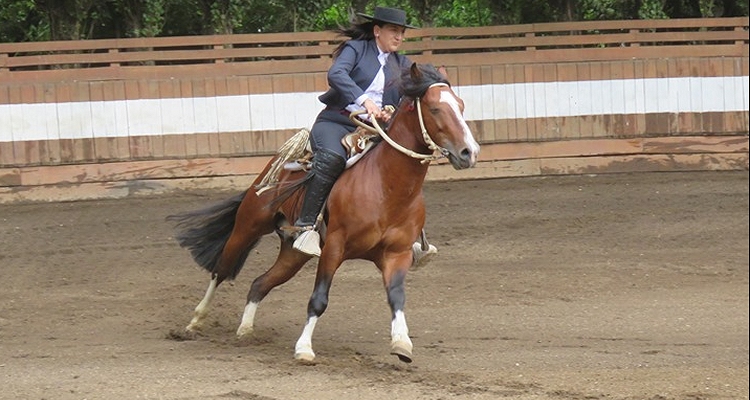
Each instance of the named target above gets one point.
<point>434,111</point>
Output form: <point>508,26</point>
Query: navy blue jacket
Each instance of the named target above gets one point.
<point>355,68</point>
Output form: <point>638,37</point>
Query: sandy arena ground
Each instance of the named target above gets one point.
<point>560,288</point>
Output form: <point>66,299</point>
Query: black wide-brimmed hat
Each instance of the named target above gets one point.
<point>388,15</point>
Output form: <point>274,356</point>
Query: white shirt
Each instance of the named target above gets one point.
<point>373,92</point>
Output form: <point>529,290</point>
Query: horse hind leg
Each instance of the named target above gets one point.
<point>287,264</point>
<point>220,239</point>
<point>201,310</point>
<point>233,255</point>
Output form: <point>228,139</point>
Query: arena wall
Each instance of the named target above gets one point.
<point>116,118</point>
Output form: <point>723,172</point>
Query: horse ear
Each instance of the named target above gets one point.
<point>416,73</point>
<point>443,71</point>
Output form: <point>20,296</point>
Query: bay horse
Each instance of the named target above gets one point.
<point>375,212</point>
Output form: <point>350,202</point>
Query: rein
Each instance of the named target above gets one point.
<point>437,151</point>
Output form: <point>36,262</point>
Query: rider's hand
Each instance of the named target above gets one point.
<point>372,109</point>
<point>386,115</point>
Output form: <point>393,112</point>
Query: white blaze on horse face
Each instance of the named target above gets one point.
<point>447,97</point>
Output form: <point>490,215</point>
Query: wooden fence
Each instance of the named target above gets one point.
<point>109,117</point>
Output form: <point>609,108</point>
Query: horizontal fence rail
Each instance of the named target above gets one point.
<point>310,51</point>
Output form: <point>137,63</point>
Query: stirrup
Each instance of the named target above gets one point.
<point>308,242</point>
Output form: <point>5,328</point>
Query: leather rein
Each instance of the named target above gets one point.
<point>437,151</point>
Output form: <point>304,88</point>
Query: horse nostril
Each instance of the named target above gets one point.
<point>468,156</point>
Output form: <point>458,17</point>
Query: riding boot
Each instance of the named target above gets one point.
<point>326,168</point>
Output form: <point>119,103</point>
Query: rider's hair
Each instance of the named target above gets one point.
<point>361,31</point>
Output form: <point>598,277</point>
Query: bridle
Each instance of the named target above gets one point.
<point>437,151</point>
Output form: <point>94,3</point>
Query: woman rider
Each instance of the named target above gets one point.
<point>363,76</point>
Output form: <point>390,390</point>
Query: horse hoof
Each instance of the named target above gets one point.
<point>244,331</point>
<point>304,357</point>
<point>402,350</point>
<point>420,257</point>
<point>193,328</point>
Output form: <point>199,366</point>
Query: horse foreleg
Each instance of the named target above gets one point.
<point>303,348</point>
<point>315,308</point>
<point>287,264</point>
<point>422,251</point>
<point>394,278</point>
<point>248,319</point>
<point>201,310</point>
<point>318,303</point>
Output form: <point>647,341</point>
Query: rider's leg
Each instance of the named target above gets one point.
<point>329,161</point>
<point>326,168</point>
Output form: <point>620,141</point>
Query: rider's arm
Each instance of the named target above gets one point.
<point>339,75</point>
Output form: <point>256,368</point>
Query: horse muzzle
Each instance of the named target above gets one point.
<point>464,158</point>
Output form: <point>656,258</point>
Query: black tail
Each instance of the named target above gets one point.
<point>205,232</point>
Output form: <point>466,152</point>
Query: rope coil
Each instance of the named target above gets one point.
<point>437,151</point>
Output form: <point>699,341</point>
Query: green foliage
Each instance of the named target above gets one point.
<point>18,21</point>
<point>226,15</point>
<point>182,18</point>
<point>651,9</point>
<point>741,8</point>
<point>153,18</point>
<point>34,20</point>
<point>537,11</point>
<point>706,7</point>
<point>600,10</point>
<point>138,18</point>
<point>463,13</point>
<point>335,16</point>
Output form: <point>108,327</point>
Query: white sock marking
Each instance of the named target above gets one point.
<point>304,343</point>
<point>201,310</point>
<point>399,330</point>
<point>248,318</point>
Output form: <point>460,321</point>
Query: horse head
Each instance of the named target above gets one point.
<point>440,114</point>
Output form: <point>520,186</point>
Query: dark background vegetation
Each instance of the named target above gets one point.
<point>41,20</point>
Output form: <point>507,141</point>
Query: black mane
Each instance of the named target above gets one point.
<point>417,86</point>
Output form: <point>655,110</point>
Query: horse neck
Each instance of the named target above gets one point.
<point>404,130</point>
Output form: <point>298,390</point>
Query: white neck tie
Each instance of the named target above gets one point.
<point>383,57</point>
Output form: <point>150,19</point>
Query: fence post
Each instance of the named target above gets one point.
<point>739,29</point>
<point>634,43</point>
<point>114,51</point>
<point>218,60</point>
<point>530,35</point>
<point>427,39</point>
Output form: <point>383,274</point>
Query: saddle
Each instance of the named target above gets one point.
<point>358,143</point>
<point>296,154</point>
